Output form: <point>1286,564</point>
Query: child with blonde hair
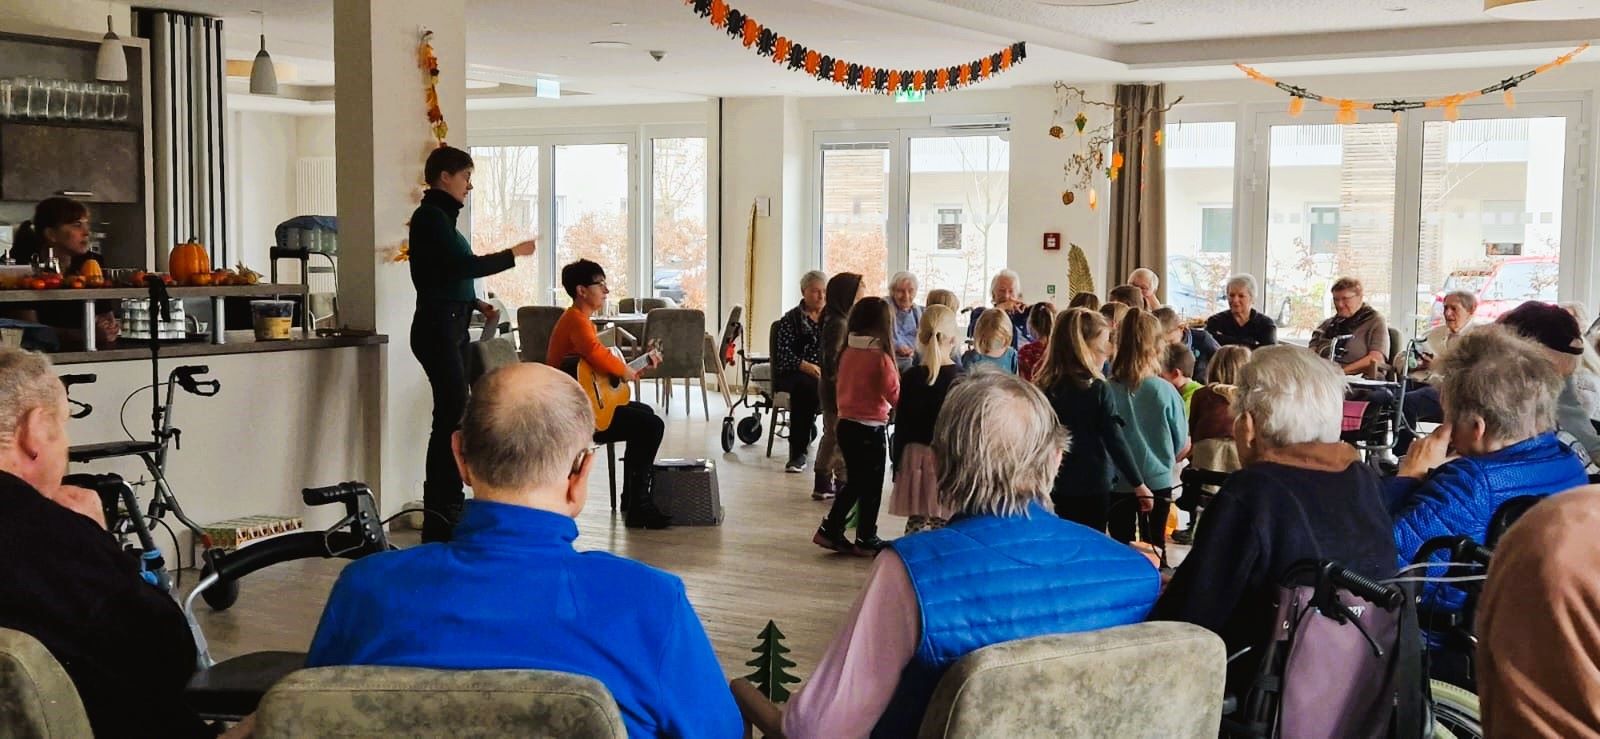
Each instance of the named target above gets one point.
<point>991,344</point>
<point>922,392</point>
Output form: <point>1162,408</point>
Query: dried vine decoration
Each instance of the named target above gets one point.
<point>1347,108</point>
<point>1100,151</point>
<point>428,62</point>
<point>848,74</point>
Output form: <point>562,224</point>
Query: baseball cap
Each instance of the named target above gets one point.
<point>1547,324</point>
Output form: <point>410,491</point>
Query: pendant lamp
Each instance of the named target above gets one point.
<point>110,65</point>
<point>263,78</point>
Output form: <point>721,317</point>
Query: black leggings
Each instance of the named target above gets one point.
<point>1125,519</point>
<point>803,408</point>
<point>439,342</point>
<point>864,449</point>
<point>638,426</point>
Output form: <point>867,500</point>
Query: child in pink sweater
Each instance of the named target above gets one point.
<point>867,389</point>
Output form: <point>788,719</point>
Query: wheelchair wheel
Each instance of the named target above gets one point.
<point>750,429</point>
<point>1455,712</point>
<point>221,596</point>
<point>727,435</point>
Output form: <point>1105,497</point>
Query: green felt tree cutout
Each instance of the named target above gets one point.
<point>770,676</point>
<point>1079,277</point>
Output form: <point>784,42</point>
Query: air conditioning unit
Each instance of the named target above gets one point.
<point>985,122</point>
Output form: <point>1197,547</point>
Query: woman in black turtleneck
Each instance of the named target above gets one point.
<point>442,269</point>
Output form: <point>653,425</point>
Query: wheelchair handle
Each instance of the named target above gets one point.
<point>1383,596</point>
<point>68,381</point>
<point>186,375</point>
<point>1462,549</point>
<point>340,493</point>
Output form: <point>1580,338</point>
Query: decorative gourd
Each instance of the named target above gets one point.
<point>187,260</point>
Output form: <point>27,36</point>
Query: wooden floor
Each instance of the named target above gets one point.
<point>759,564</point>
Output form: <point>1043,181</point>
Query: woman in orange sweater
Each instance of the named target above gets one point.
<point>868,387</point>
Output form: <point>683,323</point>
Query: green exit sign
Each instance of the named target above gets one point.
<point>910,96</point>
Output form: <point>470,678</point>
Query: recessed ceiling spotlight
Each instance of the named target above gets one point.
<point>1397,9</point>
<point>1084,3</point>
<point>618,24</point>
<point>609,44</point>
<point>1144,23</point>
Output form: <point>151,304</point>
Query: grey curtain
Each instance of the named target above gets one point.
<point>1139,196</point>
<point>188,82</point>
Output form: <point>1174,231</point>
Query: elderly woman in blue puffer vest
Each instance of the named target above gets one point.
<point>1499,395</point>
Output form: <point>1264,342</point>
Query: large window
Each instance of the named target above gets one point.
<point>958,247</point>
<point>1330,214</point>
<point>1200,214</point>
<point>855,211</point>
<point>678,223</point>
<point>1491,213</point>
<point>505,210</point>
<point>591,182</point>
<point>929,201</point>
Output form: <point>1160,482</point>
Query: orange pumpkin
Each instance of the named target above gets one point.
<point>91,270</point>
<point>187,260</point>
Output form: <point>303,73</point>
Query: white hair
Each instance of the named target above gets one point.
<point>1293,395</point>
<point>996,439</point>
<point>814,277</point>
<point>903,276</point>
<point>26,383</point>
<point>1243,282</point>
<point>1006,274</point>
<point>1155,279</point>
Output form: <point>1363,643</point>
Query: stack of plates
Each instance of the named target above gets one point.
<point>137,320</point>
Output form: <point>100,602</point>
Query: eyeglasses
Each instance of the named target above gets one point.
<point>583,456</point>
<point>600,284</point>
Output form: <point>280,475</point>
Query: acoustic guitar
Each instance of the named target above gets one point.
<point>606,392</point>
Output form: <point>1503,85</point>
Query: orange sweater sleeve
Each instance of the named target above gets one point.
<point>574,336</point>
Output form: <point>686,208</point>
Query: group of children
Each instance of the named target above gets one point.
<point>1122,380</point>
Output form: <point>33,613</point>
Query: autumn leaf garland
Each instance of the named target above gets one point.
<point>852,75</point>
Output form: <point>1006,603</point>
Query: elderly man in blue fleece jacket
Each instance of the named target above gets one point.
<point>1499,395</point>
<point>509,591</point>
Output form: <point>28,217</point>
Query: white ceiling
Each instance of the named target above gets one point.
<point>1139,40</point>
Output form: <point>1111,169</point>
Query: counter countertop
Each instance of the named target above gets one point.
<point>239,342</point>
<point>119,293</point>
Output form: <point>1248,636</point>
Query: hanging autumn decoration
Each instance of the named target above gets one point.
<point>428,62</point>
<point>1101,149</point>
<point>1347,110</point>
<point>851,75</point>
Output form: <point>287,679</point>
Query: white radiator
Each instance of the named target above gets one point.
<point>315,187</point>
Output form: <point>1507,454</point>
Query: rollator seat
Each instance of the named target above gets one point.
<point>233,687</point>
<point>82,453</point>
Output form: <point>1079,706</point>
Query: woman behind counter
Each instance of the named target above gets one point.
<point>60,230</point>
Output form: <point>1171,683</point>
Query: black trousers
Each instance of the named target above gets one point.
<point>1089,510</point>
<point>804,405</point>
<point>439,342</point>
<point>638,426</point>
<point>1125,518</point>
<point>864,449</point>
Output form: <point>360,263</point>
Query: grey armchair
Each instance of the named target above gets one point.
<point>681,333</point>
<point>404,701</point>
<point>37,698</point>
<point>644,305</point>
<point>535,323</point>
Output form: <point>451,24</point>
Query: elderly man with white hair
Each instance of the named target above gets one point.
<point>1005,568</point>
<point>1241,324</point>
<point>1148,282</point>
<point>66,582</point>
<point>907,315</point>
<point>1301,495</point>
<point>1005,293</point>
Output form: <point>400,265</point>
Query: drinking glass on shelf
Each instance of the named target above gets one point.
<point>121,100</point>
<point>31,98</point>
<point>72,101</point>
<point>5,98</point>
<point>105,97</point>
<point>56,100</point>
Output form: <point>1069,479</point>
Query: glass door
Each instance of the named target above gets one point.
<point>678,220</point>
<point>855,187</point>
<point>591,213</point>
<point>505,210</point>
<point>956,216</point>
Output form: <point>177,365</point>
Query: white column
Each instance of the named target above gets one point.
<point>382,137</point>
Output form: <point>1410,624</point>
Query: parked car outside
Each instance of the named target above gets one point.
<point>1506,285</point>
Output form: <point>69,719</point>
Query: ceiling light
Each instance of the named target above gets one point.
<point>1396,9</point>
<point>609,44</point>
<point>619,24</point>
<point>1084,3</point>
<point>1144,23</point>
<point>548,89</point>
<point>110,64</point>
<point>1542,10</point>
<point>263,78</point>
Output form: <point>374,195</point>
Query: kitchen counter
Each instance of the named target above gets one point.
<point>238,342</point>
<point>216,294</point>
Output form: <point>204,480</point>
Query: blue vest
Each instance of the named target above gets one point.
<point>989,579</point>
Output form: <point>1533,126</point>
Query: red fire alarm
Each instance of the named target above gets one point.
<point>1052,241</point>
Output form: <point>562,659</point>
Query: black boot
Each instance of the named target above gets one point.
<point>642,512</point>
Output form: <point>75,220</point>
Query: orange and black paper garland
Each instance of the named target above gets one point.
<point>847,74</point>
